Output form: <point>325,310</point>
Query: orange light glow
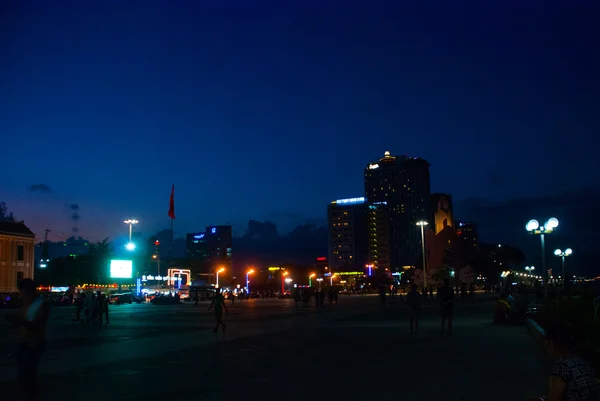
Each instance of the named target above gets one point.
<point>250,271</point>
<point>221,270</point>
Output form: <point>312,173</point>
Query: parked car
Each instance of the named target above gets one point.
<point>118,299</point>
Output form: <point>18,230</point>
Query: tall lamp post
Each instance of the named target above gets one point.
<point>310,279</point>
<point>563,255</point>
<point>533,226</point>
<point>221,270</point>
<point>249,272</point>
<point>422,224</point>
<point>283,274</point>
<point>130,245</point>
<point>331,279</point>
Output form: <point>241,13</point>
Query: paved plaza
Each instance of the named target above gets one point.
<point>353,351</point>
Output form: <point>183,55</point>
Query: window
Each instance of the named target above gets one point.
<point>19,277</point>
<point>20,254</point>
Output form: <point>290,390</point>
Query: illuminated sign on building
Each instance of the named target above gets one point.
<point>373,166</point>
<point>274,268</point>
<point>199,236</point>
<point>321,259</point>
<point>213,230</point>
<point>349,201</point>
<point>121,268</point>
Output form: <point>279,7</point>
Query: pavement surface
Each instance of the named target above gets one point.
<point>352,351</point>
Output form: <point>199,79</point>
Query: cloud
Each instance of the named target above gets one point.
<point>73,209</point>
<point>41,188</point>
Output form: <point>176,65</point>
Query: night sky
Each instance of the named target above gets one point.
<point>269,110</point>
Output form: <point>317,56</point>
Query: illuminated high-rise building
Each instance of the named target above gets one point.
<point>209,250</point>
<point>401,182</point>
<point>348,235</point>
<point>441,206</point>
<point>467,232</point>
<point>379,235</point>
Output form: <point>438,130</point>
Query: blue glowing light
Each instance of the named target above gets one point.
<point>349,201</point>
<point>199,236</point>
<point>213,230</point>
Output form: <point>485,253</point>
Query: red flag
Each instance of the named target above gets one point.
<point>172,203</point>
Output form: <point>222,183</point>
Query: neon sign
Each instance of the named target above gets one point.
<point>199,236</point>
<point>373,166</point>
<point>213,230</point>
<point>350,201</point>
<point>321,258</point>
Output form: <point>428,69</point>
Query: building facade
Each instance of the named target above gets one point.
<point>17,254</point>
<point>379,236</point>
<point>403,183</point>
<point>348,234</point>
<point>210,250</point>
<point>441,206</point>
<point>468,234</point>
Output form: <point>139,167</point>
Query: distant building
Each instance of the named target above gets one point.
<point>210,250</point>
<point>468,234</point>
<point>379,235</point>
<point>17,260</point>
<point>441,206</point>
<point>401,182</point>
<point>348,235</point>
<point>321,265</point>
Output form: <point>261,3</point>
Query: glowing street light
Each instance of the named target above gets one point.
<point>221,270</point>
<point>331,279</point>
<point>319,280</point>
<point>370,268</point>
<point>310,279</point>
<point>530,269</point>
<point>422,224</point>
<point>283,274</point>
<point>533,226</point>
<point>249,272</point>
<point>563,255</point>
<point>130,245</point>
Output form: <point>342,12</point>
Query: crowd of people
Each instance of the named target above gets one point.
<point>94,305</point>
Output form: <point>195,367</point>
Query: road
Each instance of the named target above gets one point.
<point>353,351</point>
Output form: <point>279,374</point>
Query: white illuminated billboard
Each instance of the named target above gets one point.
<point>121,268</point>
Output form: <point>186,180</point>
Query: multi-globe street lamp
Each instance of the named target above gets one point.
<point>529,269</point>
<point>319,280</point>
<point>130,245</point>
<point>563,255</point>
<point>533,226</point>
<point>249,272</point>
<point>422,224</point>
<point>221,270</point>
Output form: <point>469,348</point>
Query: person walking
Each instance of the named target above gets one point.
<point>218,302</point>
<point>413,301</point>
<point>31,321</point>
<point>446,297</point>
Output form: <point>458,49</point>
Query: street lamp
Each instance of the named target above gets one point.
<point>221,270</point>
<point>310,279</point>
<point>283,274</point>
<point>563,255</point>
<point>331,279</point>
<point>533,226</point>
<point>530,269</point>
<point>130,245</point>
<point>248,281</point>
<point>370,267</point>
<point>319,280</point>
<point>422,224</point>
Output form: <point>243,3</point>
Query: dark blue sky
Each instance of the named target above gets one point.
<point>271,109</point>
